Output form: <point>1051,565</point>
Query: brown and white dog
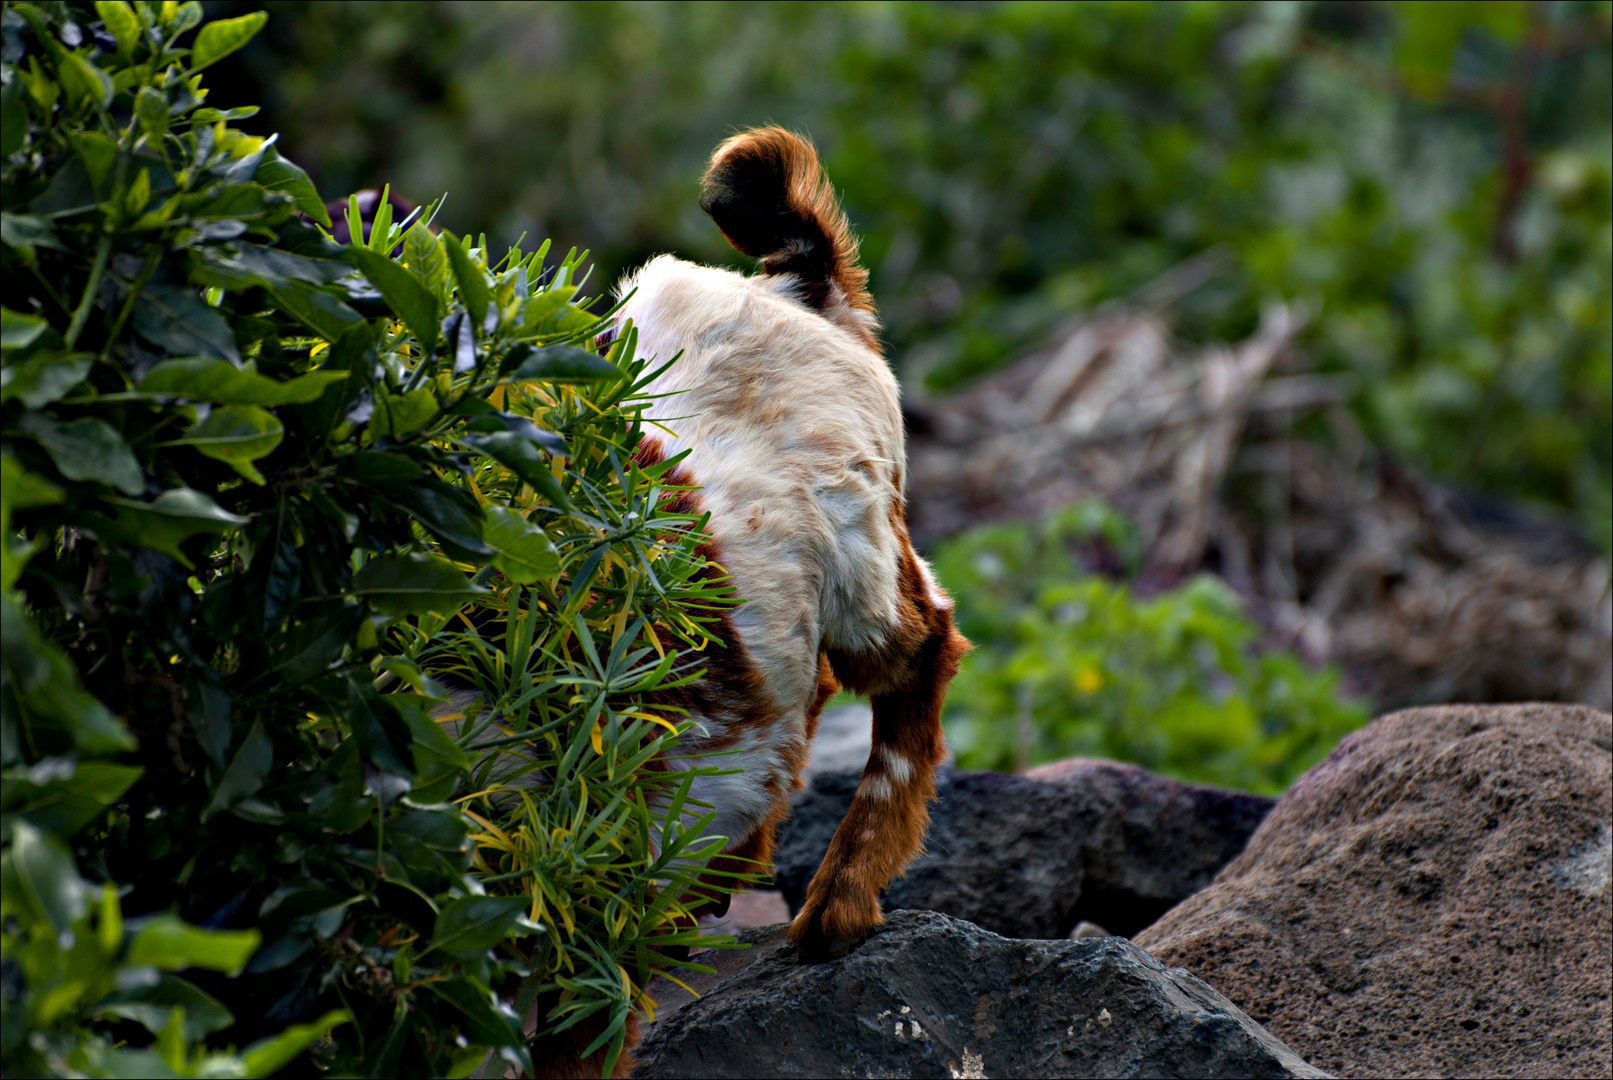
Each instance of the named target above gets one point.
<point>793,425</point>
<point>794,431</point>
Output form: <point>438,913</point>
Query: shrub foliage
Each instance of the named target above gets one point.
<point>262,494</point>
<point>1069,663</point>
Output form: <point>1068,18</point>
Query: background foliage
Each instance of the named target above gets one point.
<point>1069,664</point>
<point>1433,177</point>
<point>259,490</point>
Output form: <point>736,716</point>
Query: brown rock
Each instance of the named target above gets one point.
<point>1431,900</point>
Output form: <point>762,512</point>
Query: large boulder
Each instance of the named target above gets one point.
<point>930,995</point>
<point>1032,856</point>
<point>1431,900</point>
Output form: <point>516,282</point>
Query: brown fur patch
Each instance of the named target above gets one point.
<point>771,199</point>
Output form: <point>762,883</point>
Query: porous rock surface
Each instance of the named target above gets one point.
<point>1431,900</point>
<point>933,996</point>
<point>1032,856</point>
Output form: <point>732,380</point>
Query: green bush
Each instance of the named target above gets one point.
<point>260,492</point>
<point>1073,664</point>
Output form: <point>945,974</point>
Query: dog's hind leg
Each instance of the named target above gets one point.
<point>905,677</point>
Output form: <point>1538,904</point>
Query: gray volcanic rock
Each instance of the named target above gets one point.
<point>1431,900</point>
<point>928,995</point>
<point>1031,856</point>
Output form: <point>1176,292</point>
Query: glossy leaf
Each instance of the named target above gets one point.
<point>237,435</point>
<point>560,364</point>
<point>414,585</point>
<point>18,330</point>
<point>203,379</point>
<point>472,282</point>
<point>44,377</point>
<point>471,925</point>
<point>525,553</point>
<point>277,174</point>
<point>245,773</point>
<point>38,880</point>
<point>176,318</point>
<point>218,39</point>
<point>403,292</point>
<point>62,796</point>
<point>87,449</point>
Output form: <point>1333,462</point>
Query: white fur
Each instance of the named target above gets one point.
<point>794,430</point>
<point>795,434</point>
<point>898,767</point>
<point>875,788</point>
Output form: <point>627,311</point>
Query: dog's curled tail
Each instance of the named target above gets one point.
<point>771,199</point>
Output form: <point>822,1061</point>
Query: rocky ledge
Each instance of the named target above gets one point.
<point>932,996</point>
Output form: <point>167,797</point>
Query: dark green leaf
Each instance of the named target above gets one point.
<point>250,265</point>
<point>151,1007</point>
<point>61,796</point>
<point>176,318</point>
<point>24,232</point>
<point>558,364</point>
<point>87,449</point>
<point>414,585</point>
<point>38,880</point>
<point>437,507</point>
<point>382,470</point>
<point>321,312</point>
<point>70,192</point>
<point>18,331</point>
<point>525,553</point>
<point>47,688</point>
<point>520,456</point>
<point>13,119</point>
<point>172,518</point>
<point>314,644</point>
<point>207,704</point>
<point>473,288</point>
<point>218,39</point>
<point>403,292</point>
<point>297,898</point>
<point>237,435</point>
<point>286,177</point>
<point>245,774</point>
<point>44,377</point>
<point>484,1018</point>
<point>471,925</point>
<point>204,379</point>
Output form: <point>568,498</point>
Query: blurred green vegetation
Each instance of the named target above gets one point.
<point>1434,178</point>
<point>1068,664</point>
